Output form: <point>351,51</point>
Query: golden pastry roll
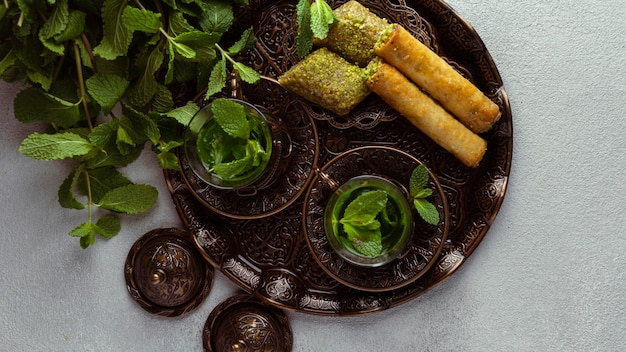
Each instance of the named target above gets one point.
<point>328,80</point>
<point>425,113</point>
<point>435,76</point>
<point>355,33</point>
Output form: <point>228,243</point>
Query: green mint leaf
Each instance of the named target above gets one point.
<point>169,146</point>
<point>103,134</point>
<point>322,18</point>
<point>231,116</point>
<point>88,240</point>
<point>141,20</point>
<point>259,155</point>
<point>85,57</point>
<point>105,137</point>
<point>162,101</point>
<point>108,226</point>
<point>246,73</point>
<point>232,169</point>
<point>55,146</point>
<point>184,113</point>
<point>106,89</point>
<point>117,37</point>
<point>124,141</point>
<point>246,42</point>
<point>102,180</point>
<point>202,44</point>
<point>424,193</point>
<point>214,145</point>
<point>418,180</point>
<point>146,87</point>
<point>168,160</point>
<point>66,193</point>
<point>217,16</point>
<point>364,208</point>
<point>178,23</point>
<point>57,22</point>
<point>197,39</point>
<point>112,156</point>
<point>427,211</point>
<point>171,53</point>
<point>389,218</point>
<point>371,248</point>
<point>8,61</point>
<point>75,26</point>
<point>246,156</point>
<point>82,230</point>
<point>34,105</point>
<point>304,37</point>
<point>130,199</point>
<point>365,241</point>
<point>217,80</point>
<point>42,78</point>
<point>139,126</point>
<point>184,50</point>
<point>52,45</point>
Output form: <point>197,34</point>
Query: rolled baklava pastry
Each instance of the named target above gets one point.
<point>328,80</point>
<point>435,76</point>
<point>355,33</point>
<point>425,113</point>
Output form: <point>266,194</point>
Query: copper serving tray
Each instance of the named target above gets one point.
<point>268,255</point>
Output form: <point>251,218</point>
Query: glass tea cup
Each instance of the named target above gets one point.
<point>245,163</point>
<point>346,229</point>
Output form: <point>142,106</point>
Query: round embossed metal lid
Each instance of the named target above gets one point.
<point>243,323</point>
<point>166,274</point>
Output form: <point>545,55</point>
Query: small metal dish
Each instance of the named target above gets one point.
<point>243,323</point>
<point>166,274</point>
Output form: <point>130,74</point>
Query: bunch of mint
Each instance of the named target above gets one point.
<point>100,74</point>
<point>232,145</point>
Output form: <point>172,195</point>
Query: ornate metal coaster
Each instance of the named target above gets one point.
<point>427,241</point>
<point>242,323</point>
<point>166,274</point>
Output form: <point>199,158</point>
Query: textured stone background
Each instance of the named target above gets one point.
<point>549,275</point>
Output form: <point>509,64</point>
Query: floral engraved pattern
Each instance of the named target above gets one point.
<point>270,244</point>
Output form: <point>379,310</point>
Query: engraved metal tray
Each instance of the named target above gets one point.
<point>269,256</point>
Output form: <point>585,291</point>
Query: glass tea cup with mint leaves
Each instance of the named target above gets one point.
<point>369,220</point>
<point>230,144</point>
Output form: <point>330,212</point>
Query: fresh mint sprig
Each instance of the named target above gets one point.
<point>217,81</point>
<point>103,76</point>
<point>419,191</point>
<point>314,21</point>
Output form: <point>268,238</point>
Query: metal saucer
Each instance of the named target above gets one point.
<point>166,274</point>
<point>243,323</point>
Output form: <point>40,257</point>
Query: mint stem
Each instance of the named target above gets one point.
<point>89,196</point>
<point>81,85</point>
